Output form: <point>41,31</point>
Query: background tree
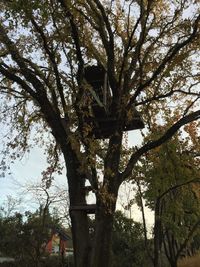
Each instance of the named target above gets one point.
<point>50,197</point>
<point>147,50</point>
<point>169,178</point>
<point>128,243</point>
<point>23,236</point>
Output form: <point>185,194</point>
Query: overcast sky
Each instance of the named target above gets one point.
<point>28,171</point>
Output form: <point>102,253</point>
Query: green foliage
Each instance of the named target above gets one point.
<point>53,261</point>
<point>128,243</point>
<point>11,228</point>
<point>170,178</point>
<point>167,168</point>
<point>23,237</point>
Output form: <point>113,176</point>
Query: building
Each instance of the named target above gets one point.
<point>60,242</point>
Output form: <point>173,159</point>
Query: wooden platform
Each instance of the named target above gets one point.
<point>89,208</point>
<point>102,120</point>
<point>104,125</point>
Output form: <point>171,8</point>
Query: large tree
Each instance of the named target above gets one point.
<point>145,50</point>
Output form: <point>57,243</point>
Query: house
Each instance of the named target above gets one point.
<point>60,242</point>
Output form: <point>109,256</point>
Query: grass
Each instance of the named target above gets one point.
<point>190,261</point>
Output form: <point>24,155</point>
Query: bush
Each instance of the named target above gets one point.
<point>52,261</point>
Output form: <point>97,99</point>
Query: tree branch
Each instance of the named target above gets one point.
<point>20,61</point>
<point>11,76</point>
<point>153,144</point>
<point>168,57</point>
<point>55,67</point>
<point>196,180</point>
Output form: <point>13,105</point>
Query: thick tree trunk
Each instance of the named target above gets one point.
<point>102,243</point>
<point>80,234</point>
<point>79,219</point>
<point>101,254</point>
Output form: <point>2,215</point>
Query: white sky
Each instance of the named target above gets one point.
<point>28,171</point>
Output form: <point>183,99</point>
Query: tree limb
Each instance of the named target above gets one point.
<point>153,144</point>
<point>172,52</point>
<point>55,68</point>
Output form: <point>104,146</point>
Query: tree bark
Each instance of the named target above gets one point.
<point>101,253</point>
<point>157,235</point>
<point>102,242</point>
<point>80,233</point>
<point>79,219</point>
<point>173,263</point>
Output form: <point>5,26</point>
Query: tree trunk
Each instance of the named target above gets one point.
<point>80,234</point>
<point>79,219</point>
<point>101,254</point>
<point>102,243</point>
<point>157,235</point>
<point>173,263</point>
<point>170,248</point>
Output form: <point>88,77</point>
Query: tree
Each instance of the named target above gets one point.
<point>128,243</point>
<point>144,52</point>
<point>23,236</point>
<point>169,178</point>
<point>51,198</point>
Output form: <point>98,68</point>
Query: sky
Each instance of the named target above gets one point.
<point>28,171</point>
<point>24,173</point>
